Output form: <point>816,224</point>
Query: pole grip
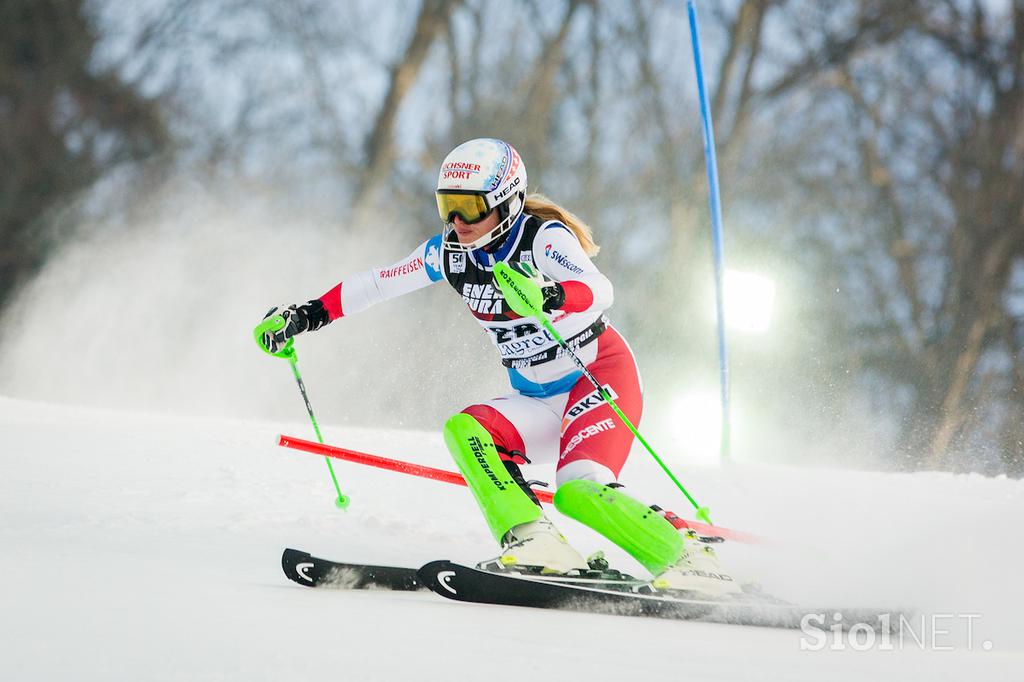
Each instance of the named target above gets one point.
<point>274,323</point>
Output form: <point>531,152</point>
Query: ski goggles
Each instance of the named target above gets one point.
<point>467,204</point>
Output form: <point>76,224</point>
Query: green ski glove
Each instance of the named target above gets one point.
<point>528,292</point>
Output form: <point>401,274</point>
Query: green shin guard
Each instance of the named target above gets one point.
<point>644,533</point>
<point>502,501</point>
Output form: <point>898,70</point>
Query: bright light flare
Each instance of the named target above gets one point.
<point>697,426</point>
<point>749,301</point>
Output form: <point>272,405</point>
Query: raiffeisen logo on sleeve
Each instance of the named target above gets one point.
<point>559,258</point>
<point>402,269</point>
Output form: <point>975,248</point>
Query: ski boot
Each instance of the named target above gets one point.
<point>536,547</point>
<point>529,541</point>
<point>697,570</point>
<point>677,557</point>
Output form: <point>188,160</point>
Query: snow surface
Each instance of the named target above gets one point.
<point>147,547</point>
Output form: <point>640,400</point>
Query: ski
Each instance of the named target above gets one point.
<point>462,583</point>
<point>612,593</point>
<point>312,571</point>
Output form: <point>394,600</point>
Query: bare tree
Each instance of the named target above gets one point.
<point>379,149</point>
<point>942,220</point>
<point>62,125</point>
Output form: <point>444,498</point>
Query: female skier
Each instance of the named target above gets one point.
<point>553,412</point>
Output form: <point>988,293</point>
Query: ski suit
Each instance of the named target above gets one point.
<point>553,413</point>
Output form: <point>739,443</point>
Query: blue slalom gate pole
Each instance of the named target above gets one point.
<point>716,227</point>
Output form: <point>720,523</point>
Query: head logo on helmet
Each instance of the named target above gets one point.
<point>475,178</point>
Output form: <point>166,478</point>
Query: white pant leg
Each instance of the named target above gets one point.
<point>538,421</point>
<point>586,469</point>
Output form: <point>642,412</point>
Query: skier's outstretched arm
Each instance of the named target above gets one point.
<point>358,292</point>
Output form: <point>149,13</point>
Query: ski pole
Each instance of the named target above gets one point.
<point>276,323</point>
<point>502,270</point>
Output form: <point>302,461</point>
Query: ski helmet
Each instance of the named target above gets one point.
<point>475,178</point>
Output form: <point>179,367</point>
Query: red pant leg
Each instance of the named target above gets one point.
<point>590,428</point>
<point>506,436</point>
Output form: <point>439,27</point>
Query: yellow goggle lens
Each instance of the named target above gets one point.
<point>470,207</point>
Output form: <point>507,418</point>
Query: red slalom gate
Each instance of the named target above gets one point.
<point>386,463</point>
<point>456,478</point>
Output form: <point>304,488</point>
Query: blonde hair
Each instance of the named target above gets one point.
<point>545,209</point>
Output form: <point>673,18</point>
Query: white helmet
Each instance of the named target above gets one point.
<point>476,177</point>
